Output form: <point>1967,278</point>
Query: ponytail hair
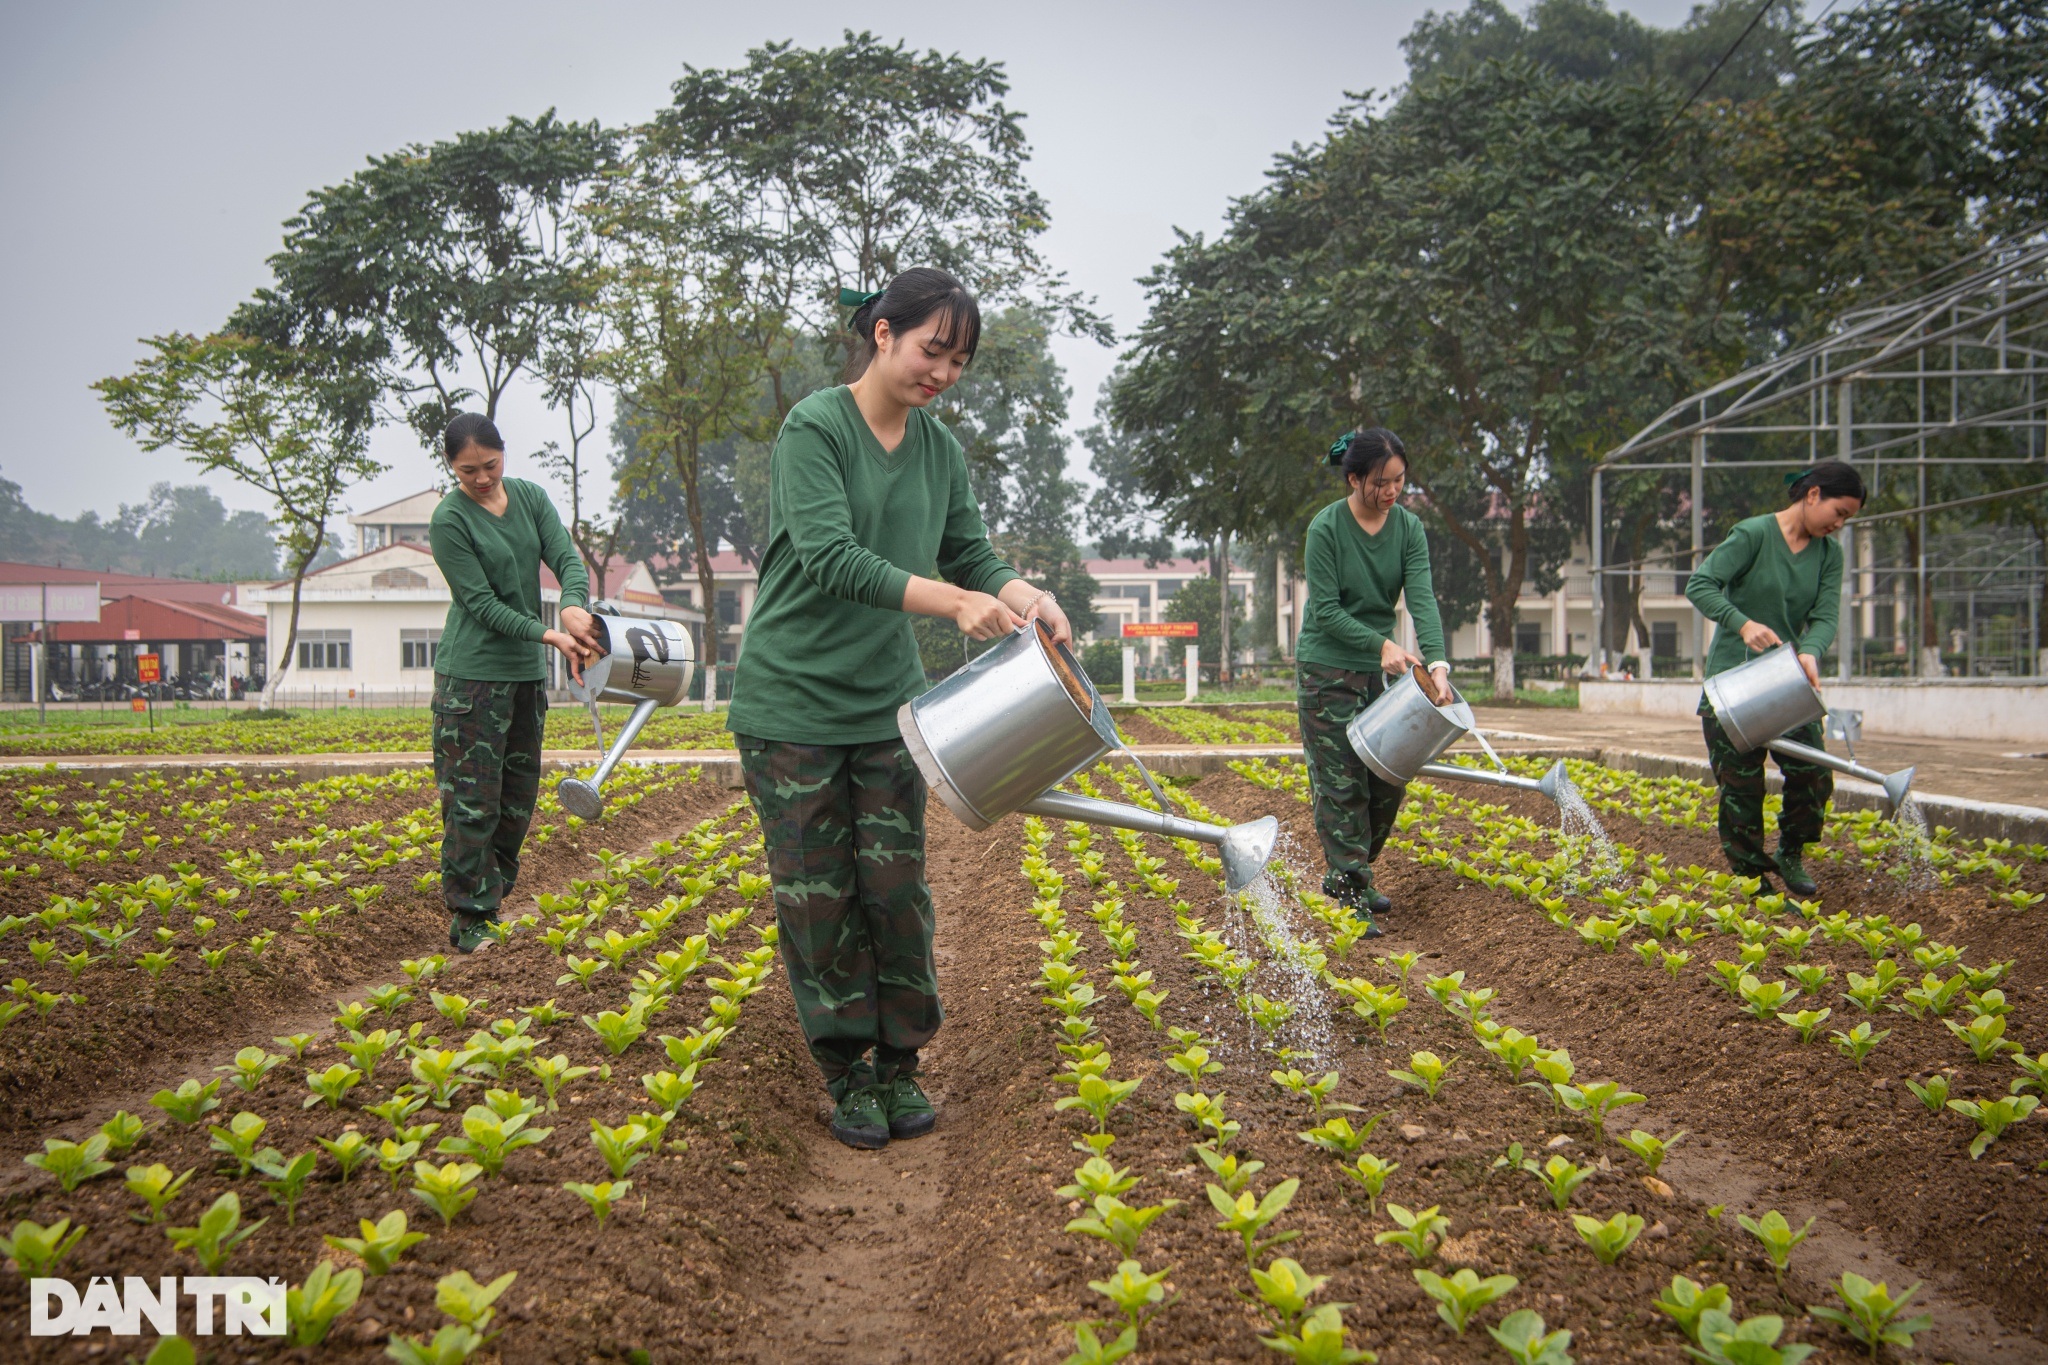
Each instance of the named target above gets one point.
<point>1361,453</point>
<point>470,429</point>
<point>908,302</point>
<point>1834,479</point>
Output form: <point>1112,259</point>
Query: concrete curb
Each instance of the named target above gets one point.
<point>1971,819</point>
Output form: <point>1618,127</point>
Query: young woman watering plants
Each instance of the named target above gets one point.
<point>1362,554</point>
<point>1777,578</point>
<point>490,536</point>
<point>870,520</point>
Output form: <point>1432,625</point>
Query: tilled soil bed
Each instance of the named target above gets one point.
<point>750,1235</point>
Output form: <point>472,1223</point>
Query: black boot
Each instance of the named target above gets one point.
<point>1792,871</point>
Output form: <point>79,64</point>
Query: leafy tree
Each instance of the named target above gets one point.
<point>443,267</point>
<point>851,163</point>
<point>570,370</point>
<point>177,532</point>
<point>292,429</point>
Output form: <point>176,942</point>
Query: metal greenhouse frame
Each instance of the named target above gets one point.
<point>1948,373</point>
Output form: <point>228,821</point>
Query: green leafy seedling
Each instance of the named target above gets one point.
<point>1859,1042</point>
<point>1138,1296</point>
<point>1596,1100</point>
<point>382,1242</point>
<point>349,1151</point>
<point>190,1102</point>
<point>1685,1302</point>
<point>1993,1117</point>
<point>488,1138</point>
<point>35,1249</point>
<point>1420,1232</point>
<point>1249,1217</point>
<point>1232,1172</point>
<point>1320,1341</point>
<point>1560,1176</point>
<point>1610,1239</point>
<point>1648,1148</point>
<point>219,1231</point>
<point>1118,1223</point>
<point>1285,1288</point>
<point>448,1188</point>
<point>1806,1023</point>
<point>1873,1314</point>
<point>311,1308</point>
<point>1462,1294</point>
<point>1985,1035</point>
<point>1097,1177</point>
<point>1933,1095</point>
<point>1777,1236</point>
<point>1753,1341</point>
<point>155,1186</point>
<point>122,1131</point>
<point>239,1139</point>
<point>1523,1336</point>
<point>623,1147</point>
<point>250,1066</point>
<point>1425,1071</point>
<point>600,1196</point>
<point>331,1085</point>
<point>1372,1173</point>
<point>1337,1136</point>
<point>73,1163</point>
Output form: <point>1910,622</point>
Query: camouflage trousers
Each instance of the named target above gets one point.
<point>487,739</point>
<point>1354,806</point>
<point>843,827</point>
<point>1741,777</point>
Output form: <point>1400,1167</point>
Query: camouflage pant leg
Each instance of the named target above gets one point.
<point>487,741</point>
<point>1741,778</point>
<point>1354,806</point>
<point>843,827</point>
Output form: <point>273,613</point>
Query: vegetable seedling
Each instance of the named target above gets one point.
<point>1420,1233</point>
<point>219,1231</point>
<point>1859,1042</point>
<point>1560,1176</point>
<point>1610,1239</point>
<point>1320,1341</point>
<point>489,1138</point>
<point>600,1196</point>
<point>1933,1095</point>
<point>1425,1071</point>
<point>1521,1334</point>
<point>330,1085</point>
<point>1777,1237</point>
<point>1685,1302</point>
<point>622,1147</point>
<point>393,1156</point>
<point>311,1308</point>
<point>35,1249</point>
<point>1595,1101</point>
<point>1805,1023</point>
<point>1285,1288</point>
<point>1753,1341</point>
<point>1986,1036</point>
<point>1993,1117</point>
<point>1232,1172</point>
<point>1138,1296</point>
<point>238,1139</point>
<point>448,1188</point>
<point>1372,1173</point>
<point>250,1066</point>
<point>155,1186</point>
<point>287,1178</point>
<point>190,1102</point>
<point>1337,1136</point>
<point>73,1163</point>
<point>1118,1223</point>
<point>1648,1148</point>
<point>382,1242</point>
<point>1462,1294</point>
<point>349,1151</point>
<point>1873,1314</point>
<point>1249,1217</point>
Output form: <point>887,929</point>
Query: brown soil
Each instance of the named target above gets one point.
<point>766,1240</point>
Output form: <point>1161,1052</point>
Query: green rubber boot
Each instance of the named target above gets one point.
<point>860,1121</point>
<point>1792,871</point>
<point>469,933</point>
<point>910,1113</point>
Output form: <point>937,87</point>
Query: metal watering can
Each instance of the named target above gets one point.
<point>1757,702</point>
<point>1400,734</point>
<point>999,733</point>
<point>645,664</point>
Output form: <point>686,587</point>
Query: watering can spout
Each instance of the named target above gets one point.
<point>1896,785</point>
<point>1550,785</point>
<point>1246,848</point>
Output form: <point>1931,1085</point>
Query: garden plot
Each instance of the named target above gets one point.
<point>1209,1123</point>
<point>345,732</point>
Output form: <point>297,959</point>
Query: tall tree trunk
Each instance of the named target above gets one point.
<point>693,504</point>
<point>291,634</point>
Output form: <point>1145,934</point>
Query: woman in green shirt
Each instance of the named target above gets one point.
<point>1777,578</point>
<point>1362,554</point>
<point>870,520</point>
<point>490,536</point>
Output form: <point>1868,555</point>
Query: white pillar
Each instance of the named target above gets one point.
<point>1194,670</point>
<point>1130,673</point>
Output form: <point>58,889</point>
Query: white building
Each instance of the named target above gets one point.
<point>1133,591</point>
<point>405,522</point>
<point>370,627</point>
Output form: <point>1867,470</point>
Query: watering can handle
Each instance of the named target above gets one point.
<point>1105,725</point>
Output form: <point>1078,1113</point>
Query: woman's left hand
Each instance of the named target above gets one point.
<point>577,623</point>
<point>1812,667</point>
<point>1048,611</point>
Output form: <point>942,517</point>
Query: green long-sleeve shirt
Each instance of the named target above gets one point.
<point>1354,581</point>
<point>1754,576</point>
<point>829,654</point>
<point>492,564</point>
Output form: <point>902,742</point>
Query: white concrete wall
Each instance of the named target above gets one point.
<point>2002,710</point>
<point>374,655</point>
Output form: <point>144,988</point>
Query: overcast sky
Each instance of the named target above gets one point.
<point>151,151</point>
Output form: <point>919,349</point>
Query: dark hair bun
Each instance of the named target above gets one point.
<point>470,429</point>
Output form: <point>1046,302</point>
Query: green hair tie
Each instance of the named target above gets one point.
<point>853,298</point>
<point>1339,446</point>
<point>1796,475</point>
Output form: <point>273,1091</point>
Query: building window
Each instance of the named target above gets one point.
<point>323,648</point>
<point>728,606</point>
<point>418,648</point>
<point>1168,587</point>
<point>1663,639</point>
<point>398,578</point>
<point>1528,638</point>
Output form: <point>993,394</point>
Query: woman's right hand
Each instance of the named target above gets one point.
<point>983,617</point>
<point>1394,659</point>
<point>1757,635</point>
<point>571,650</point>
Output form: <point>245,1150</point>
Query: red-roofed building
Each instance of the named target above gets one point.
<point>192,626</point>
